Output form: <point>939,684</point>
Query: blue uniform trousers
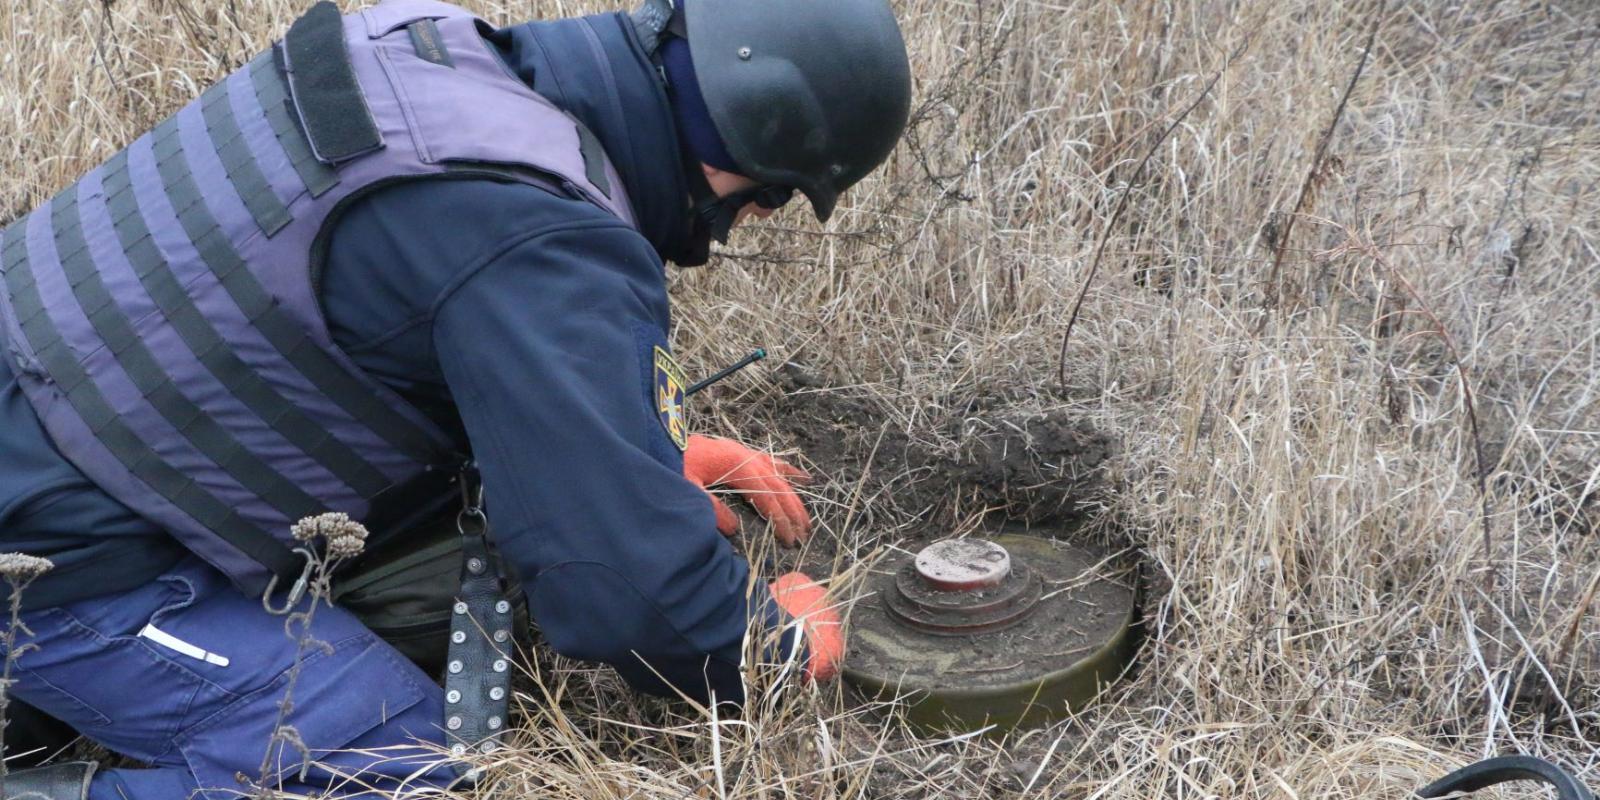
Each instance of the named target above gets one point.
<point>186,674</point>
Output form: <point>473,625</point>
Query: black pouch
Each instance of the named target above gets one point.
<point>33,737</point>
<point>404,586</point>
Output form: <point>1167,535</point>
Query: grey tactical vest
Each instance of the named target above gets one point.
<point>162,312</point>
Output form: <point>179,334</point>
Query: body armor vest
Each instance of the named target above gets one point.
<point>163,314</point>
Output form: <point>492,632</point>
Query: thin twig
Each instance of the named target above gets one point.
<point>17,570</point>
<point>1376,254</point>
<point>1274,279</point>
<point>1127,192</point>
<point>1572,630</point>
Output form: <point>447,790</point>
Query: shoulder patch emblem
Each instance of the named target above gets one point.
<point>670,408</point>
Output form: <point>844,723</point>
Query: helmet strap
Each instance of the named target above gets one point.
<point>705,217</point>
<point>711,216</point>
<point>722,214</point>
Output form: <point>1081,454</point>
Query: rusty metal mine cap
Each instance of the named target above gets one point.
<point>956,565</point>
<point>962,586</point>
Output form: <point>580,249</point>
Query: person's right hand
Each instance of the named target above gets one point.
<point>766,481</point>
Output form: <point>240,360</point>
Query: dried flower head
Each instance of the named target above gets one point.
<point>309,528</point>
<point>348,542</point>
<point>21,568</point>
<point>344,536</point>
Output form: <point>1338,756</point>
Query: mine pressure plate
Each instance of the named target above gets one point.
<point>1010,632</point>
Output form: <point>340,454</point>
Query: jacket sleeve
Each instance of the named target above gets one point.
<point>547,347</point>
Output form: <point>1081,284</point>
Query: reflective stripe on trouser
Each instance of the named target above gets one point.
<point>198,698</point>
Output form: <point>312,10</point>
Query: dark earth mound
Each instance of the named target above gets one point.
<point>1035,468</point>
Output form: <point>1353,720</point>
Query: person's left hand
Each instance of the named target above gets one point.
<point>806,600</point>
<point>767,482</point>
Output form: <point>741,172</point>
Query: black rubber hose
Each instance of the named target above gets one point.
<point>1492,771</point>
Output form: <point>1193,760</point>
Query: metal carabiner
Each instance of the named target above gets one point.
<point>296,592</point>
<point>471,502</point>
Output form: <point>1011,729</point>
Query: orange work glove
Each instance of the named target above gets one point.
<point>805,600</point>
<point>766,481</point>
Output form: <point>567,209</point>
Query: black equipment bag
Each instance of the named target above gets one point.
<point>33,736</point>
<point>403,586</point>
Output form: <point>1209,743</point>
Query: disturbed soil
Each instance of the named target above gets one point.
<point>1037,468</point>
<point>883,492</point>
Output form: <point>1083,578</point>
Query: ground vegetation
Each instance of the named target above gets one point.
<point>1334,380</point>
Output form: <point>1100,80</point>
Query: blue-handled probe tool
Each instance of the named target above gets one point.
<point>759,354</point>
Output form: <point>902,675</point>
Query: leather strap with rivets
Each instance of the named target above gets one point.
<point>477,681</point>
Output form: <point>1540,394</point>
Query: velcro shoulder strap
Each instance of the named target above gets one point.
<point>594,159</point>
<point>651,21</point>
<point>323,85</point>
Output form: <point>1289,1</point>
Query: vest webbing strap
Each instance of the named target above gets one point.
<point>208,346</point>
<point>243,171</point>
<point>147,374</point>
<point>108,427</point>
<point>274,323</point>
<point>273,95</point>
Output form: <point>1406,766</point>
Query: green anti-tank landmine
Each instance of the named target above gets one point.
<point>1013,632</point>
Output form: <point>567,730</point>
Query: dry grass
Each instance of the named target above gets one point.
<point>1296,462</point>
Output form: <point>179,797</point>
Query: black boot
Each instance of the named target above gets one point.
<point>68,781</point>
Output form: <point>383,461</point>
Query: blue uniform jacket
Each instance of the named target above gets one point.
<point>525,322</point>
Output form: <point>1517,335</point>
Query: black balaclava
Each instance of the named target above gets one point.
<point>711,217</point>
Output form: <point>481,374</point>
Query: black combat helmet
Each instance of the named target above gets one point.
<point>809,94</point>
